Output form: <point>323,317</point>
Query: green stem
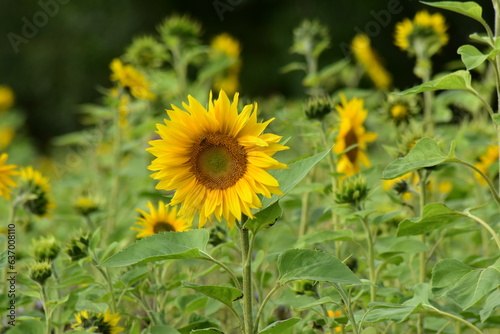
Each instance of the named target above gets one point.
<point>371,257</point>
<point>423,70</point>
<point>303,214</point>
<point>226,268</point>
<point>496,6</point>
<point>350,313</point>
<point>246,258</point>
<point>264,302</point>
<point>487,227</point>
<point>422,255</point>
<point>115,179</point>
<point>48,312</point>
<point>449,315</point>
<point>12,219</point>
<point>487,179</point>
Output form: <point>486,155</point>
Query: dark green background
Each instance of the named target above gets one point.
<point>67,61</point>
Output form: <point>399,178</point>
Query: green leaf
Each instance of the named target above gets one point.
<point>467,8</point>
<point>309,264</point>
<point>463,284</point>
<point>279,326</point>
<point>163,246</point>
<point>406,245</point>
<point>491,304</point>
<point>323,236</point>
<point>225,294</point>
<point>3,259</point>
<point>317,302</point>
<point>435,216</point>
<point>27,327</point>
<point>207,331</point>
<point>471,56</point>
<point>76,280</point>
<point>425,153</point>
<point>163,329</point>
<point>456,80</point>
<point>288,178</point>
<point>264,218</point>
<point>496,119</point>
<point>386,311</point>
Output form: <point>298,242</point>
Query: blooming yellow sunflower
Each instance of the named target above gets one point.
<point>368,58</point>
<point>426,33</point>
<point>164,219</point>
<point>335,314</point>
<point>6,98</point>
<point>34,183</point>
<point>215,159</point>
<point>127,76</point>
<point>485,161</point>
<point>230,47</point>
<point>351,132</point>
<point>6,173</point>
<point>103,323</point>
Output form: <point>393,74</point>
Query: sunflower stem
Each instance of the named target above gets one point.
<point>371,256</point>
<point>423,174</point>
<point>496,6</point>
<point>47,310</point>
<point>347,302</point>
<point>264,303</point>
<point>246,259</point>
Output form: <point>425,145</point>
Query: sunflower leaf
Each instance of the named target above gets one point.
<point>309,264</point>
<point>288,178</point>
<point>471,56</point>
<point>456,80</point>
<point>435,216</point>
<point>425,153</point>
<point>468,8</point>
<point>225,294</point>
<point>163,246</point>
<point>278,327</point>
<point>264,218</point>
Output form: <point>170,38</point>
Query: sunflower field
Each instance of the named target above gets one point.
<point>182,204</point>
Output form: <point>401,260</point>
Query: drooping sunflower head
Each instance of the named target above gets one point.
<point>216,159</point>
<point>424,36</point>
<point>352,132</point>
<point>6,173</point>
<point>369,59</point>
<point>46,248</point>
<point>163,219</point>
<point>6,98</point>
<point>128,77</point>
<point>318,107</point>
<point>34,183</point>
<point>102,323</point>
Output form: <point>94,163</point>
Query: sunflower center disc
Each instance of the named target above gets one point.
<point>163,227</point>
<point>218,161</point>
<point>351,139</point>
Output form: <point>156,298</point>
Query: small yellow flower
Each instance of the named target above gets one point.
<point>426,34</point>
<point>216,159</point>
<point>230,47</point>
<point>34,183</point>
<point>103,323</point>
<point>6,98</point>
<point>85,205</point>
<point>128,77</point>
<point>6,173</point>
<point>335,314</point>
<point>351,132</point>
<point>369,59</point>
<point>165,219</point>
<point>489,158</point>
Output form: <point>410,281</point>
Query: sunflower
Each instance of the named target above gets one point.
<point>370,61</point>
<point>425,34</point>
<point>103,323</point>
<point>128,77</point>
<point>6,98</point>
<point>33,182</point>
<point>229,47</point>
<point>335,314</point>
<point>352,132</point>
<point>486,160</point>
<point>164,219</point>
<point>6,172</point>
<point>215,159</point>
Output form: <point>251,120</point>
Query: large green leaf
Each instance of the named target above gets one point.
<point>403,246</point>
<point>288,178</point>
<point>264,218</point>
<point>467,8</point>
<point>309,264</point>
<point>28,327</point>
<point>491,304</point>
<point>435,216</point>
<point>471,56</point>
<point>463,284</point>
<point>163,329</point>
<point>425,153</point>
<point>163,246</point>
<point>323,236</point>
<point>279,326</point>
<point>456,80</point>
<point>225,294</point>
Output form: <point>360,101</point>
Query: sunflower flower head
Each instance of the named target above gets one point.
<point>32,182</point>
<point>226,46</point>
<point>6,174</point>
<point>180,31</point>
<point>146,52</point>
<point>128,77</point>
<point>40,271</point>
<point>77,248</point>
<point>352,191</point>
<point>318,107</point>
<point>86,205</point>
<point>400,109</point>
<point>6,98</point>
<point>46,248</point>
<point>369,59</point>
<point>102,323</point>
<point>486,160</point>
<point>422,36</point>
<point>163,219</point>
<point>216,159</point>
<point>352,132</point>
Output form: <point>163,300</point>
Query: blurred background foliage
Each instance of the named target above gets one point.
<point>67,61</point>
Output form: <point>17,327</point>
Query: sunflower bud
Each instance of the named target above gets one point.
<point>41,271</point>
<point>178,31</point>
<point>85,205</point>
<point>304,287</point>
<point>46,248</point>
<point>146,52</point>
<point>77,247</point>
<point>310,38</point>
<point>401,109</point>
<point>318,107</point>
<point>218,235</point>
<point>352,191</point>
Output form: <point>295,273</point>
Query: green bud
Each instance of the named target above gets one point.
<point>318,107</point>
<point>46,248</point>
<point>146,52</point>
<point>352,191</point>
<point>310,38</point>
<point>78,247</point>
<point>304,287</point>
<point>41,271</point>
<point>178,31</point>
